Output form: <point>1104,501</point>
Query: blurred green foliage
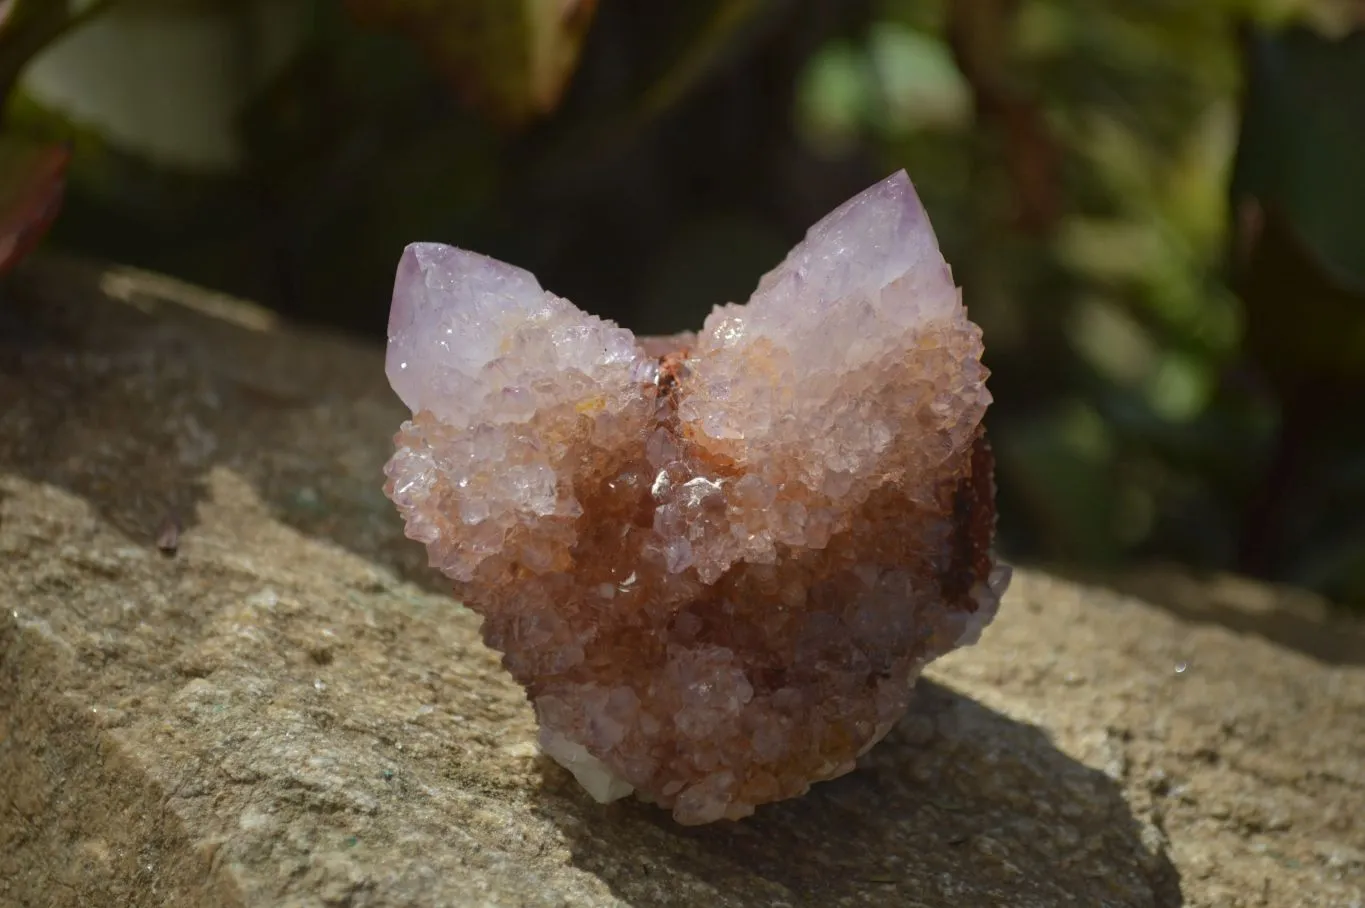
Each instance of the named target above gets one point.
<point>510,58</point>
<point>1155,209</point>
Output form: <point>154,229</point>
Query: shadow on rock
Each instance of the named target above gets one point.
<point>958,806</point>
<point>130,390</point>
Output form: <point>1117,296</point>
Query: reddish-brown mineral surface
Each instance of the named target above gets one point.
<point>717,563</point>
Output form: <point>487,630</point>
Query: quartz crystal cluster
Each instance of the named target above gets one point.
<point>716,562</point>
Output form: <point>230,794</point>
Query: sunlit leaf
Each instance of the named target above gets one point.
<point>834,97</point>
<point>920,83</point>
<point>510,58</point>
<point>28,26</point>
<point>32,179</point>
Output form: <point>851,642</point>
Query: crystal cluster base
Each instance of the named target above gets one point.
<point>717,562</point>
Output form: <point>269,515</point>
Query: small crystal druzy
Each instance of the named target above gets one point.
<point>716,562</point>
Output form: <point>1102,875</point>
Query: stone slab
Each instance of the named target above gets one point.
<point>289,711</point>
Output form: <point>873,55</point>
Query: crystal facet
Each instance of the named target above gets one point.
<point>717,562</point>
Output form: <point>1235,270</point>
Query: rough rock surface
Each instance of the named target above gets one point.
<point>288,712</point>
<point>718,571</point>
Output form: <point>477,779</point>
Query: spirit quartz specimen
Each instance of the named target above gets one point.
<point>716,562</point>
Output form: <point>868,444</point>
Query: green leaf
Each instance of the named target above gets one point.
<point>28,26</point>
<point>1303,144</point>
<point>512,59</point>
<point>1298,199</point>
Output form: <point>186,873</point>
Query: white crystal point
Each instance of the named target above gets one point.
<point>469,336</point>
<point>439,322</point>
<point>596,777</point>
<point>852,366</point>
<point>880,236</point>
<point>856,315</point>
<point>511,388</point>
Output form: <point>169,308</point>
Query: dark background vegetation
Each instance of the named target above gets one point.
<point>1156,209</point>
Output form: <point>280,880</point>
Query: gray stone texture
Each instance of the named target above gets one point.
<point>289,711</point>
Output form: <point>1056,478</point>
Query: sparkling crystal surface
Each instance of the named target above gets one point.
<point>717,562</point>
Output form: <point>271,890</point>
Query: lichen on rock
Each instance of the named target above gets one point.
<point>716,562</point>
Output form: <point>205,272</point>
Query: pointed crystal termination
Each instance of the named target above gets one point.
<point>716,562</point>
